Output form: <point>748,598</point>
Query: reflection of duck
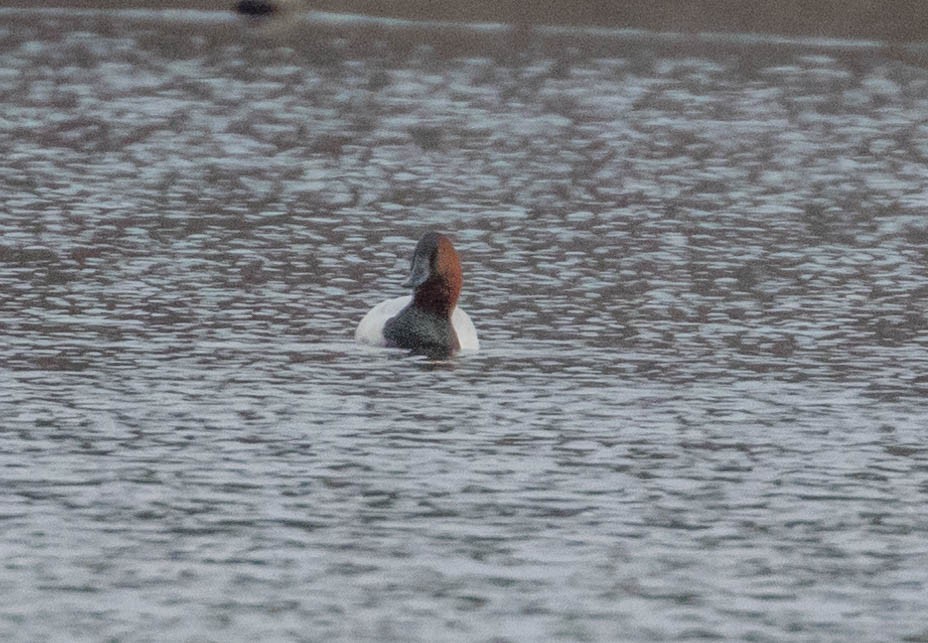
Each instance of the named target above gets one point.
<point>265,7</point>
<point>429,321</point>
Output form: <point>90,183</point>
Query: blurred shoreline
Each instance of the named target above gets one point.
<point>892,21</point>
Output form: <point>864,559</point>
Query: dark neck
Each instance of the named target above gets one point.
<point>436,296</point>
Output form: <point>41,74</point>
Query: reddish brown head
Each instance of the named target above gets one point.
<point>436,275</point>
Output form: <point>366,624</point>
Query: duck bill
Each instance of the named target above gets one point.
<point>419,273</point>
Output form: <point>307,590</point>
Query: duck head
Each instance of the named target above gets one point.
<point>435,275</point>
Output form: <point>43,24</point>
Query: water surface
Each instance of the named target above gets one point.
<point>698,272</point>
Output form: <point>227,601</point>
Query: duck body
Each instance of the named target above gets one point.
<point>372,328</point>
<point>256,7</point>
<point>262,8</point>
<point>429,321</point>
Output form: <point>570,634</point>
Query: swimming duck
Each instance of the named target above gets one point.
<point>429,321</point>
<point>267,7</point>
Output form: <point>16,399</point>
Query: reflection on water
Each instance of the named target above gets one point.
<point>698,274</point>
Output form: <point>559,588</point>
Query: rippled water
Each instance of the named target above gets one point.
<point>699,277</point>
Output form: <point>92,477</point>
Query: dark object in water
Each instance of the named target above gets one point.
<point>256,7</point>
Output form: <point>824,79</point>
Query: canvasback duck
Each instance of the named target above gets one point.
<point>428,321</point>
